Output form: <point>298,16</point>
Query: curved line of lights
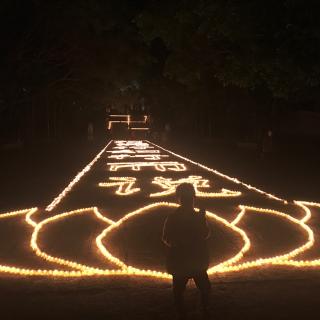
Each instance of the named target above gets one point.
<point>279,259</point>
<point>136,271</point>
<point>233,264</point>
<point>227,266</point>
<point>45,256</point>
<point>27,271</point>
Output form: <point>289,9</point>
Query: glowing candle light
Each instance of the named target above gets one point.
<point>124,149</point>
<point>169,185</point>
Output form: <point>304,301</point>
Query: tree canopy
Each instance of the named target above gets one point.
<point>64,61</point>
<point>247,44</point>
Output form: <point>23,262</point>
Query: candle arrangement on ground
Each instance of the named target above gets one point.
<point>132,191</point>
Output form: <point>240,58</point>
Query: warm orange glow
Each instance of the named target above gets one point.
<point>75,180</point>
<point>128,121</point>
<point>169,185</point>
<point>126,186</point>
<point>159,166</point>
<point>220,174</point>
<point>136,271</point>
<point>138,156</point>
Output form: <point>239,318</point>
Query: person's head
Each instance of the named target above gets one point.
<point>185,193</point>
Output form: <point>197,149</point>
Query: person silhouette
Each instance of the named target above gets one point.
<point>185,234</point>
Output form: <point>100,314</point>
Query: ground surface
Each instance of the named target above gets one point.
<point>34,178</point>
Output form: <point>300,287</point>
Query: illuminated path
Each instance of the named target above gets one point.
<point>108,220</point>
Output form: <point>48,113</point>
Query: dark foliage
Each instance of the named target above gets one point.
<point>63,62</point>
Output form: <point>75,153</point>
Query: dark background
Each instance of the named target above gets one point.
<point>220,73</point>
<point>227,70</point>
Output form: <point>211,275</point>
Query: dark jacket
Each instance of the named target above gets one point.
<point>186,234</point>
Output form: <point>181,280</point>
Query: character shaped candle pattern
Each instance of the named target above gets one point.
<point>137,150</point>
<point>139,156</point>
<point>137,147</point>
<point>127,120</point>
<point>169,185</point>
<point>135,156</point>
<point>124,184</point>
<point>132,152</point>
<point>159,166</point>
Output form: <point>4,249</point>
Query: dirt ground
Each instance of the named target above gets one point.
<point>33,176</point>
<point>275,295</point>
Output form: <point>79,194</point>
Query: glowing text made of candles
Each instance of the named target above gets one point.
<point>130,151</point>
<point>216,172</point>
<point>138,156</point>
<point>124,184</point>
<point>159,166</point>
<point>138,147</point>
<point>290,258</point>
<point>128,143</point>
<point>169,185</point>
<point>126,119</point>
